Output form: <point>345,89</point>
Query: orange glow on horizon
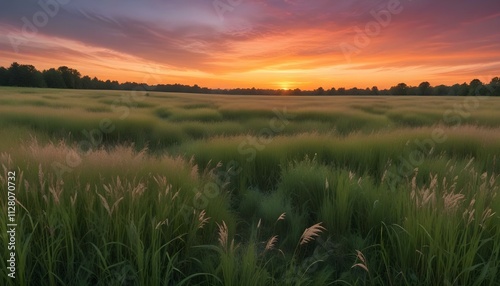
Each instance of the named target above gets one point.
<point>260,45</point>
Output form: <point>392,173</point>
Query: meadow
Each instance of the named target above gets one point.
<point>149,188</point>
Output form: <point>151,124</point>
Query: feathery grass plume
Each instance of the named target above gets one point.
<point>47,153</point>
<point>452,201</point>
<point>138,190</point>
<point>362,264</point>
<point>73,199</point>
<point>118,187</point>
<point>194,168</point>
<point>104,202</point>
<point>194,172</point>
<point>271,243</point>
<point>175,195</point>
<point>56,190</point>
<point>414,180</point>
<point>388,164</point>
<point>384,175</point>
<point>161,181</point>
<point>425,196</point>
<point>281,217</point>
<point>163,222</point>
<point>493,180</point>
<point>223,234</point>
<point>26,185</point>
<point>209,172</point>
<point>311,232</point>
<point>434,181</point>
<point>41,177</point>
<point>468,164</point>
<point>202,220</point>
<point>469,212</point>
<point>487,214</point>
<point>163,184</point>
<point>450,188</point>
<point>6,158</point>
<point>351,175</point>
<point>115,187</point>
<point>106,205</point>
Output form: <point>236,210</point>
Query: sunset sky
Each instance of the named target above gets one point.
<point>255,43</point>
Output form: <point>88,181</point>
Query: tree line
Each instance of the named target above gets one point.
<point>65,77</point>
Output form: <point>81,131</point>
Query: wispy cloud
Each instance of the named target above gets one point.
<point>189,42</point>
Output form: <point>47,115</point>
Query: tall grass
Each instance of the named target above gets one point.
<point>118,218</point>
<point>332,199</point>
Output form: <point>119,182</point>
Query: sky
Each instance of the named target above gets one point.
<point>254,43</point>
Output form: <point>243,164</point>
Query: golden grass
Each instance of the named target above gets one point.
<point>310,233</point>
<point>202,219</point>
<point>362,264</point>
<point>223,237</point>
<point>271,243</point>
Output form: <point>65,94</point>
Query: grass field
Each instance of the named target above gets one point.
<point>125,188</point>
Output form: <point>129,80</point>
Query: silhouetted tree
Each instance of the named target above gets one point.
<point>96,83</point>
<point>53,78</point>
<point>86,82</point>
<point>297,91</point>
<point>440,90</point>
<point>495,86</point>
<point>463,90</point>
<point>400,89</point>
<point>424,88</point>
<point>454,89</point>
<point>111,85</point>
<point>412,90</point>
<point>197,89</point>
<point>25,75</point>
<point>476,87</point>
<point>65,77</point>
<point>253,91</point>
<point>4,76</point>
<point>70,76</point>
<point>320,91</point>
<point>14,74</point>
<point>459,89</point>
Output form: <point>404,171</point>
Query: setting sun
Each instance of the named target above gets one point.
<point>285,85</point>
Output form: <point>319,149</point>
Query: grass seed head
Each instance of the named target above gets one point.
<point>311,232</point>
<point>363,265</point>
<point>223,234</point>
<point>271,243</point>
<point>281,217</point>
<point>202,220</point>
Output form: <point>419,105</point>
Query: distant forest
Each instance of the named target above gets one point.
<point>65,77</point>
